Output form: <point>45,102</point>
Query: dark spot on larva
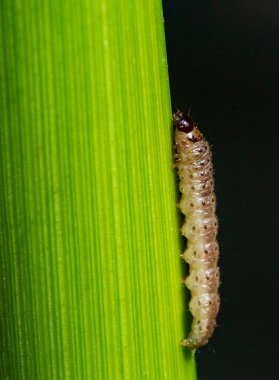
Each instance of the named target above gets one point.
<point>192,204</point>
<point>205,147</point>
<point>206,251</point>
<point>200,328</point>
<point>205,227</point>
<point>203,203</point>
<point>215,224</point>
<point>191,175</point>
<point>199,322</point>
<point>211,182</point>
<point>210,303</point>
<point>207,277</point>
<point>212,200</point>
<point>195,253</point>
<point>202,173</point>
<point>216,248</point>
<point>199,303</point>
<point>210,169</point>
<point>194,228</point>
<point>203,187</point>
<point>197,279</point>
<point>200,150</point>
<point>208,160</point>
<point>207,327</point>
<point>193,187</point>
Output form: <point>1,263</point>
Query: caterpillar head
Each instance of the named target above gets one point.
<point>185,123</point>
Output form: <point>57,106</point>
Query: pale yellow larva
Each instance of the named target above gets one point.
<point>198,203</point>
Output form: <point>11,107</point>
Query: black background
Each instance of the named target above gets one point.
<point>223,61</point>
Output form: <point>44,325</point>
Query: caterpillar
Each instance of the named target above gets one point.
<point>198,204</point>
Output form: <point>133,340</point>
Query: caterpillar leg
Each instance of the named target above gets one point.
<point>182,257</point>
<point>183,282</point>
<point>190,343</point>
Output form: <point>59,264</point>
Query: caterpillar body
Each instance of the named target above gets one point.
<point>198,204</point>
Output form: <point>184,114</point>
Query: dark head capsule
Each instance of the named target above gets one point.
<point>183,122</point>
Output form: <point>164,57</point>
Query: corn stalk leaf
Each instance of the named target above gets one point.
<point>90,275</point>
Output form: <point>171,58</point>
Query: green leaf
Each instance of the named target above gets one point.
<point>90,271</point>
